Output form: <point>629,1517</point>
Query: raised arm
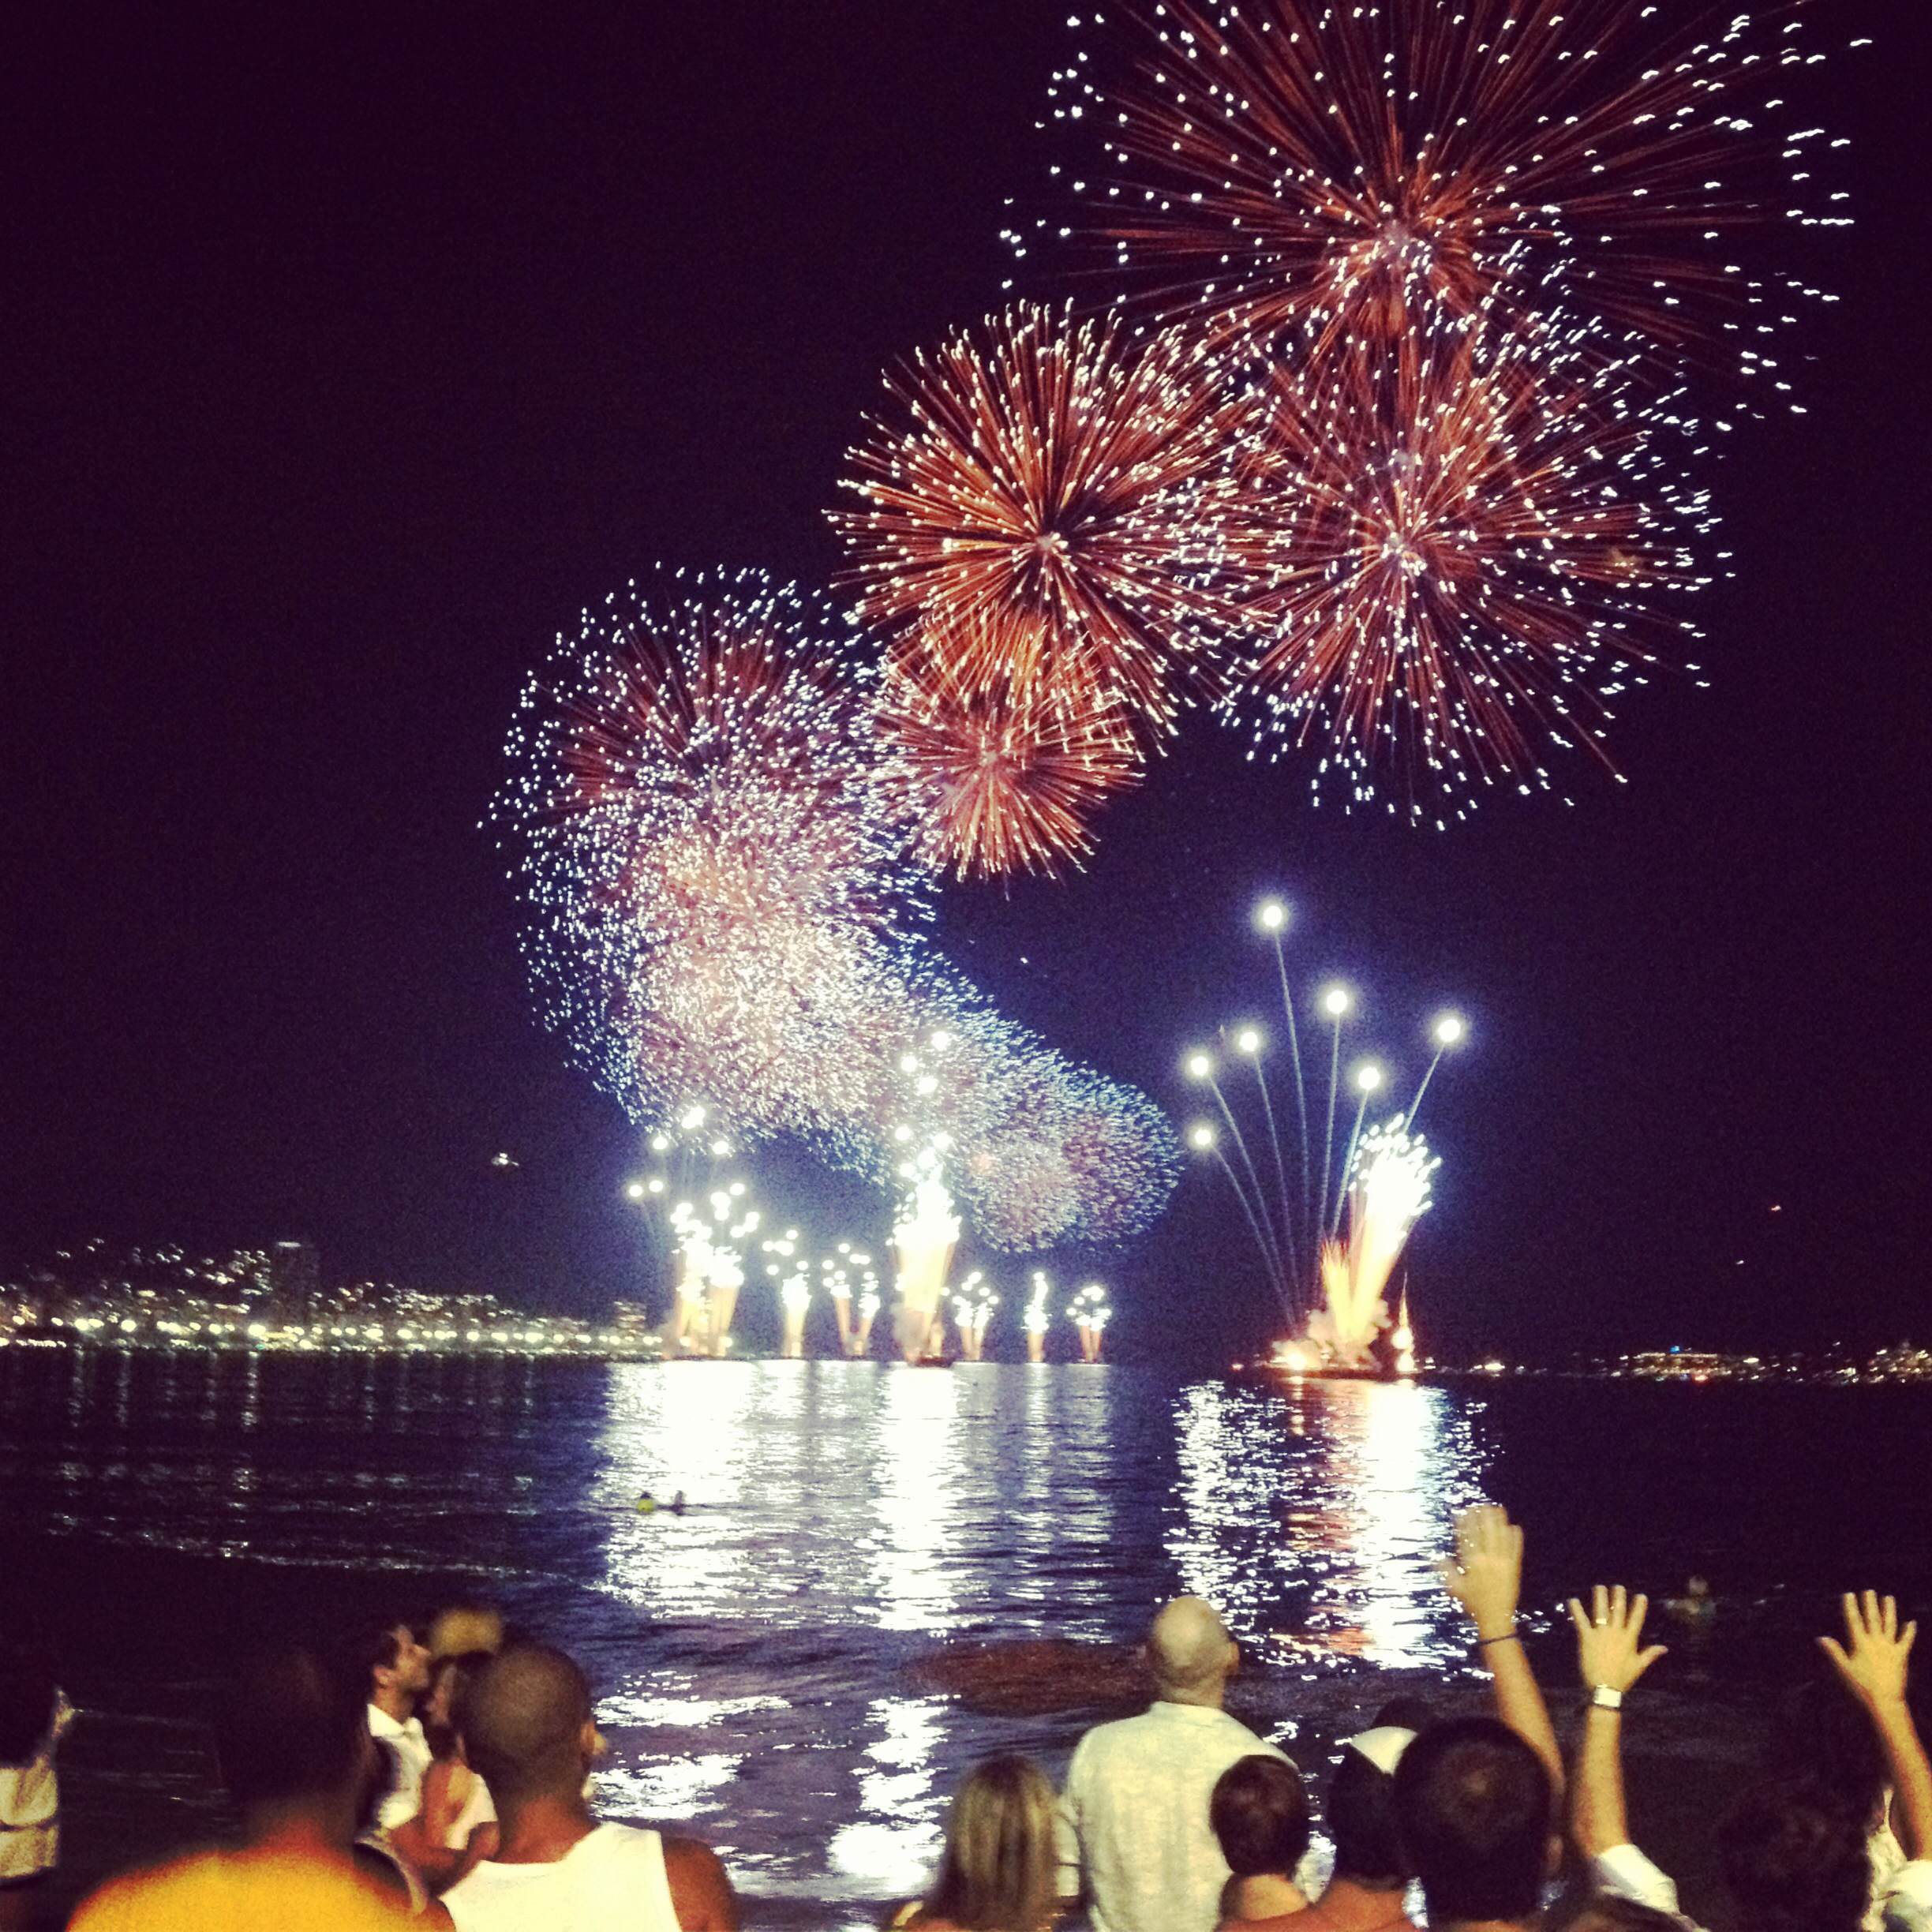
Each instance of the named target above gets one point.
<point>1872,1661</point>
<point>1485,1577</point>
<point>1610,1659</point>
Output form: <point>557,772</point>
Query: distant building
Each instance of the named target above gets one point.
<point>294,1282</point>
<point>630,1321</point>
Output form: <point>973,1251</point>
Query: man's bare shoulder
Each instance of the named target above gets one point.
<point>701,1890</point>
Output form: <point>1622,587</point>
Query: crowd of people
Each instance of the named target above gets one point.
<point>440,1778</point>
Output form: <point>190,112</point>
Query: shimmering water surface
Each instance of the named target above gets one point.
<point>765,1662</point>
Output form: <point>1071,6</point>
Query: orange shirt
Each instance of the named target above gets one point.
<point>241,1892</point>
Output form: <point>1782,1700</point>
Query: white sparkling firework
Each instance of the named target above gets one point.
<point>724,905</point>
<point>1090,1311</point>
<point>1297,1162</point>
<point>972,1313</point>
<point>1039,1314</point>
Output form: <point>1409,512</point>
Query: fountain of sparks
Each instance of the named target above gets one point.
<point>848,1269</point>
<point>1089,1312</point>
<point>972,1313</point>
<point>923,1238</point>
<point>708,1216</point>
<point>1037,1315</point>
<point>790,1267</point>
<point>1329,1198</point>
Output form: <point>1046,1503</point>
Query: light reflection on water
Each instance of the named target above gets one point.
<point>758,1656</point>
<point>1313,1520</point>
<point>880,1508</point>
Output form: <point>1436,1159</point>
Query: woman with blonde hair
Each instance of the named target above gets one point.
<point>999,1871</point>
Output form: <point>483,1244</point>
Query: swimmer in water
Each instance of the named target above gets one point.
<point>1695,1608</point>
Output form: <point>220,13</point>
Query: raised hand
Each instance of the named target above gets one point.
<point>1610,1636</point>
<point>1872,1659</point>
<point>1485,1574</point>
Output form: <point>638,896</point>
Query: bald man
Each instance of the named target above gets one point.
<point>1135,1838</point>
<point>526,1730</point>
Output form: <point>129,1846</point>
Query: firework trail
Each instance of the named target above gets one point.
<point>724,901</point>
<point>1459,556</point>
<point>1296,1172</point>
<point>1360,167</point>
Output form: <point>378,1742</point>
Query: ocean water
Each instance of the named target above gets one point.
<point>882,1569</point>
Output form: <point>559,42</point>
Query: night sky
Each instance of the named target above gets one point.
<point>349,352</point>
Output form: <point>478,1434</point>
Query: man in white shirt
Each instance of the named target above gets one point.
<point>527,1728</point>
<point>1135,1834</point>
<point>398,1674</point>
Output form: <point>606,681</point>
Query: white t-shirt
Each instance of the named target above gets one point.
<point>30,1804</point>
<point>614,1878</point>
<point>1901,1899</point>
<point>1905,1899</point>
<point>409,1752</point>
<point>1133,1818</point>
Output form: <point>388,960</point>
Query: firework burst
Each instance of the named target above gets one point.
<point>1048,502</point>
<point>1462,553</point>
<point>1360,166</point>
<point>724,899</point>
<point>707,837</point>
<point>1007,776</point>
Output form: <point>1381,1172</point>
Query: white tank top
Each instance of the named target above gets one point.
<point>614,1878</point>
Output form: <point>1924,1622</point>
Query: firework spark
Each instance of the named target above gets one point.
<point>923,1238</point>
<point>1048,503</point>
<point>1462,554</point>
<point>1358,167</point>
<point>706,1215</point>
<point>705,835</point>
<point>845,1268</point>
<point>790,1267</point>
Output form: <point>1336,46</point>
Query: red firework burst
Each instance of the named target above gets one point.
<point>1356,166</point>
<point>1456,547</point>
<point>1006,776</point>
<point>1054,509</point>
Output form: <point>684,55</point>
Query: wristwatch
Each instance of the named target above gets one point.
<point>1605,1696</point>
